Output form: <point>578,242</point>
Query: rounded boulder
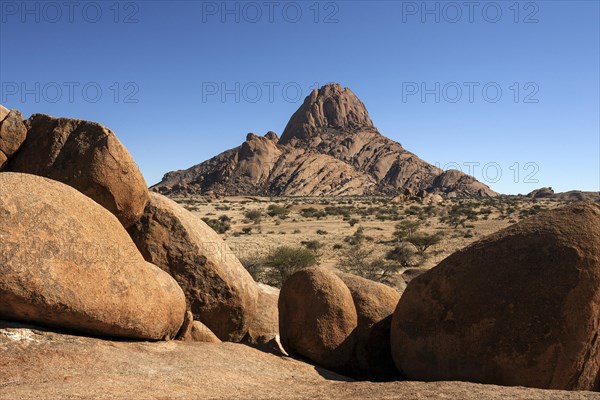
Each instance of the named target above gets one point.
<point>317,317</point>
<point>86,156</point>
<point>68,263</point>
<point>520,307</point>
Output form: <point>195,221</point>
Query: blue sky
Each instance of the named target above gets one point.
<point>182,81</point>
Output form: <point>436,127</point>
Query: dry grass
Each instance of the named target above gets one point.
<point>377,217</point>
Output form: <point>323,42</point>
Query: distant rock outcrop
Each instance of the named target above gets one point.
<point>544,192</point>
<point>520,307</point>
<point>572,195</point>
<point>329,147</point>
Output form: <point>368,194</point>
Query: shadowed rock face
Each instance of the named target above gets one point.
<point>329,147</point>
<point>218,289</point>
<point>519,307</point>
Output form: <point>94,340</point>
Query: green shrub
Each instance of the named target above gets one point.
<point>277,211</point>
<point>218,225</point>
<point>403,254</point>
<point>284,261</point>
<point>314,245</point>
<point>254,216</point>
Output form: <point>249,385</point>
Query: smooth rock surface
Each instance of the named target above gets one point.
<point>265,325</point>
<point>86,156</point>
<point>317,317</point>
<point>47,366</point>
<point>67,262</point>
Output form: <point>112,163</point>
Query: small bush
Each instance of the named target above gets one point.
<point>284,261</point>
<point>254,216</point>
<point>218,225</point>
<point>402,254</point>
<point>277,211</point>
<point>314,245</point>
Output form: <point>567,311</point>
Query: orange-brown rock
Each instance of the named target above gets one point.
<point>12,133</point>
<point>67,262</point>
<point>42,365</point>
<point>317,317</point>
<point>201,333</point>
<point>375,303</point>
<point>3,112</point>
<point>195,331</point>
<point>519,307</point>
<point>86,156</point>
<point>265,325</point>
<point>218,289</point>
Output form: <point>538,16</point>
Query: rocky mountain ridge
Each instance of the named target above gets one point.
<point>329,147</point>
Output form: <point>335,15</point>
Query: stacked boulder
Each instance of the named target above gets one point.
<point>86,156</point>
<point>219,291</point>
<point>68,262</point>
<point>339,321</point>
<point>264,328</point>
<point>12,133</point>
<point>519,307</point>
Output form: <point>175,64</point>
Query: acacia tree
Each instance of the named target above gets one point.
<point>403,254</point>
<point>359,260</point>
<point>423,241</point>
<point>405,229</point>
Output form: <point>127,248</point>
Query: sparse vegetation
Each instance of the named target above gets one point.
<point>371,237</point>
<point>220,225</point>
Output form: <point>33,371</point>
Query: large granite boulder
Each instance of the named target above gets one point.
<point>67,262</point>
<point>86,156</point>
<point>375,303</point>
<point>218,289</point>
<point>317,317</point>
<point>519,307</point>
